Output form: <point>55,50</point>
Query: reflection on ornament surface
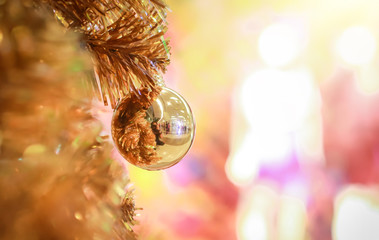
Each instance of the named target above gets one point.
<point>165,131</point>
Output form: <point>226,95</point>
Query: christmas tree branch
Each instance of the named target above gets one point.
<point>57,178</point>
<point>125,39</point>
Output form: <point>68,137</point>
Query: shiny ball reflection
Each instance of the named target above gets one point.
<point>174,127</point>
<point>171,129</point>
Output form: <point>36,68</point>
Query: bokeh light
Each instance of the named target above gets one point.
<point>276,101</point>
<point>253,218</point>
<point>257,149</point>
<point>243,166</point>
<point>285,96</point>
<point>357,45</point>
<point>356,214</point>
<point>279,44</point>
<point>292,219</point>
<point>254,227</point>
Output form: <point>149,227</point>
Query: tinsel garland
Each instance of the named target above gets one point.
<point>57,180</point>
<point>126,41</point>
<point>130,54</point>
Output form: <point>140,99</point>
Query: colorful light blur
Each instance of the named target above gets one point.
<point>285,96</point>
<point>262,207</point>
<point>253,214</point>
<point>279,105</point>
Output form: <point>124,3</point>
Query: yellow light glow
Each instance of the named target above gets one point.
<point>243,165</point>
<point>356,216</point>
<point>291,219</point>
<point>356,45</point>
<point>253,215</point>
<point>367,80</point>
<point>146,185</point>
<point>279,44</point>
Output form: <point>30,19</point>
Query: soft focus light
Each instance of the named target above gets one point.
<point>291,219</point>
<point>263,214</point>
<point>152,181</point>
<point>279,44</point>
<point>253,216</point>
<point>276,101</point>
<point>257,149</point>
<point>356,216</point>
<point>297,189</point>
<point>242,166</point>
<point>357,45</point>
<point>271,149</point>
<point>367,80</point>
<point>254,227</point>
<point>309,141</point>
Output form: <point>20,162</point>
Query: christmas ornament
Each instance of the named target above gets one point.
<point>153,131</point>
<point>130,54</point>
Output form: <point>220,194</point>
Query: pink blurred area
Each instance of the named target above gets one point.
<point>287,118</point>
<point>351,129</point>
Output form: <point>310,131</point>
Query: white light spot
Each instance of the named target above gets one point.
<point>356,217</point>
<point>279,44</point>
<point>357,45</point>
<point>276,101</point>
<point>254,227</point>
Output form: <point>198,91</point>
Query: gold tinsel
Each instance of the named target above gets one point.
<point>125,39</point>
<point>130,54</point>
<point>56,178</point>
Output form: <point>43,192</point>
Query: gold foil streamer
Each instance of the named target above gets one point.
<point>56,178</point>
<point>125,39</point>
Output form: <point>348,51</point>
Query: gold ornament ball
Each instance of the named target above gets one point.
<point>156,138</point>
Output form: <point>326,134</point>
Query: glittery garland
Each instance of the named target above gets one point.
<point>57,178</point>
<point>125,39</point>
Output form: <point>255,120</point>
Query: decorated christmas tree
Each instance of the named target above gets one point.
<point>57,176</point>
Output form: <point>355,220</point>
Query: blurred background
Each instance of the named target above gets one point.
<point>285,96</point>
